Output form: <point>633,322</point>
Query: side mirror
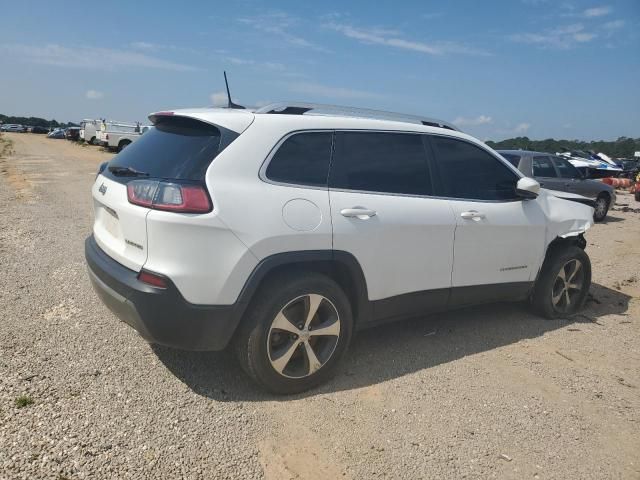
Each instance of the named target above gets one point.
<point>527,188</point>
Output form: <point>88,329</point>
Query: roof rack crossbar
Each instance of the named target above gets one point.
<point>298,108</point>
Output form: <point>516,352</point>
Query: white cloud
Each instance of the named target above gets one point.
<point>522,128</point>
<point>432,15</point>
<point>319,90</point>
<point>94,95</point>
<point>391,38</point>
<point>563,37</point>
<point>90,57</point>
<point>280,24</point>
<point>613,25</point>
<point>479,120</point>
<point>219,99</point>
<point>144,45</point>
<point>596,12</point>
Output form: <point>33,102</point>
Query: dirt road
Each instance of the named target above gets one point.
<point>490,392</point>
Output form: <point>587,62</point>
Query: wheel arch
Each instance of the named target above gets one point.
<point>340,266</point>
<point>560,243</point>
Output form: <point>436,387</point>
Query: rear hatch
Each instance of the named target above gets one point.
<point>177,152</point>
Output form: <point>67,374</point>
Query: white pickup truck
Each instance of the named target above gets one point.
<point>116,136</point>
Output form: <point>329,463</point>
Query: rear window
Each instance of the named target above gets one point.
<point>177,148</point>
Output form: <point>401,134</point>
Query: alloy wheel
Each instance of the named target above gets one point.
<point>568,286</point>
<point>601,208</point>
<point>303,336</point>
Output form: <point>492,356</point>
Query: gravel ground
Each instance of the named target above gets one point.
<point>490,392</point>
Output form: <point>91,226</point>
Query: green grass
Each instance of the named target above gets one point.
<point>24,401</point>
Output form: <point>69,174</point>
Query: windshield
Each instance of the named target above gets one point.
<point>177,148</point>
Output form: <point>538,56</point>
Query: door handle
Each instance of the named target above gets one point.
<point>358,212</point>
<point>471,214</point>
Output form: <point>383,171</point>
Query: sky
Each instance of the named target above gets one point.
<point>497,69</point>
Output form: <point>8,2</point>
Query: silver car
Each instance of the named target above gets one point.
<point>557,173</point>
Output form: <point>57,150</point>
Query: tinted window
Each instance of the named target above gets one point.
<point>542,167</point>
<point>380,162</point>
<point>468,171</point>
<point>302,159</point>
<point>177,148</point>
<point>512,159</point>
<point>566,169</point>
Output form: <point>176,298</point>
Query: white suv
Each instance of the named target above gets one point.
<point>280,231</point>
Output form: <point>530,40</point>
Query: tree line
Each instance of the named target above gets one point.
<point>623,147</point>
<point>36,122</point>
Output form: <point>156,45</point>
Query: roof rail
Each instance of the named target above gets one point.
<point>299,108</point>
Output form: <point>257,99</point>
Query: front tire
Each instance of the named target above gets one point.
<point>295,333</point>
<point>563,283</point>
<point>602,208</point>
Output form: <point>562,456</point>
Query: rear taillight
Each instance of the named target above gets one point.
<point>169,196</point>
<point>152,279</point>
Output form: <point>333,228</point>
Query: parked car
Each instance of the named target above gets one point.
<point>12,127</point>
<point>558,173</point>
<point>39,130</point>
<point>58,133</point>
<point>72,133</point>
<point>283,230</point>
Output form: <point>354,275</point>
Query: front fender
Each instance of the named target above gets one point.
<point>565,218</point>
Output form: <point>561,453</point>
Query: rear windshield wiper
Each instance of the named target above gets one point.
<point>127,172</point>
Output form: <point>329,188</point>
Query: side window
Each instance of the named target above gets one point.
<point>380,162</point>
<point>566,169</point>
<point>512,159</point>
<point>467,171</point>
<point>542,167</point>
<point>302,159</point>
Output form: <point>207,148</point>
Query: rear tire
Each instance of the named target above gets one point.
<point>601,208</point>
<point>123,145</point>
<point>563,283</point>
<point>272,348</point>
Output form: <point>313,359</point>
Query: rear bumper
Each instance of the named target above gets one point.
<point>160,316</point>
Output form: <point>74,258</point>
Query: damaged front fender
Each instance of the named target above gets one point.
<point>566,217</point>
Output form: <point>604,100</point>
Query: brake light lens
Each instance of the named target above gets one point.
<point>169,196</point>
<point>152,279</point>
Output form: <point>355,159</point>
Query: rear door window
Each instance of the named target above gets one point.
<point>469,172</point>
<point>565,168</point>
<point>543,167</point>
<point>177,148</point>
<point>302,159</point>
<point>512,159</point>
<point>382,162</point>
